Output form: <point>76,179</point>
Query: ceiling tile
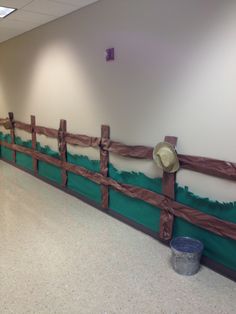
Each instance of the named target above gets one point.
<point>17,25</point>
<point>17,4</point>
<point>77,3</point>
<point>27,16</point>
<point>49,7</point>
<point>33,13</point>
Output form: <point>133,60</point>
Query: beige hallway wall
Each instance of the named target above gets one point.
<point>174,74</point>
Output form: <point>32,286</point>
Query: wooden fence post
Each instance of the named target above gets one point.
<point>34,143</point>
<point>104,162</point>
<point>168,189</point>
<point>62,148</point>
<point>12,131</point>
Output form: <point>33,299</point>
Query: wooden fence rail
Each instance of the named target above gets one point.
<point>210,166</point>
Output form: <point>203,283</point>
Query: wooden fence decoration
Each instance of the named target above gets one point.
<point>34,143</point>
<point>168,189</point>
<point>104,162</point>
<point>62,149</point>
<point>165,201</point>
<point>12,131</point>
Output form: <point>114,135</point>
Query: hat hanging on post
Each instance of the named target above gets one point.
<point>166,157</point>
<point>7,124</point>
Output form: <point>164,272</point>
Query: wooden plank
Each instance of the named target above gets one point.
<point>34,154</point>
<point>46,131</point>
<point>104,162</point>
<point>168,189</point>
<point>218,168</point>
<point>12,132</point>
<point>62,149</point>
<point>140,152</point>
<point>34,143</point>
<point>23,126</point>
<point>82,140</point>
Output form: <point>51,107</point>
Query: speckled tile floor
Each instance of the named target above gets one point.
<point>59,255</point>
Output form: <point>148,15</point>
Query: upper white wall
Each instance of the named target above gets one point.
<point>174,74</point>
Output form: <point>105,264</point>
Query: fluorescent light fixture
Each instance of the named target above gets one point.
<point>5,11</point>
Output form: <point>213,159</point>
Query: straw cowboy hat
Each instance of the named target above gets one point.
<point>166,157</point>
<point>7,124</point>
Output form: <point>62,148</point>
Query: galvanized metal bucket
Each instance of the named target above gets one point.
<point>186,255</point>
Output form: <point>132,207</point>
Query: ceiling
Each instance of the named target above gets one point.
<point>33,13</point>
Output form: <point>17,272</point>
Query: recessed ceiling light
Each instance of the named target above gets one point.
<point>5,11</point>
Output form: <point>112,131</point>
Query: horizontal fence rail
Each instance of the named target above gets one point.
<point>23,126</point>
<point>165,201</point>
<point>141,152</point>
<point>82,140</point>
<point>46,131</point>
<point>210,166</point>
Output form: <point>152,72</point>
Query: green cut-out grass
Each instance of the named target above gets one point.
<point>220,249</point>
